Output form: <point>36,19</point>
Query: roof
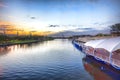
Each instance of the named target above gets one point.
<point>110,44</point>
<point>94,43</point>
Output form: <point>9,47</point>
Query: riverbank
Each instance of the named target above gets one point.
<point>86,39</point>
<point>14,42</point>
<point>18,42</point>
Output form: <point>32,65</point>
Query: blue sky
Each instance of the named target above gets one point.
<point>69,14</point>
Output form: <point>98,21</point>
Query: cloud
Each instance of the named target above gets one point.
<point>53,26</point>
<point>32,17</point>
<point>85,29</point>
<point>100,24</point>
<point>7,26</point>
<point>93,0</point>
<point>3,5</point>
<point>103,23</point>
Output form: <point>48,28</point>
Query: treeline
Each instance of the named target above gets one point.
<point>115,29</point>
<point>5,38</point>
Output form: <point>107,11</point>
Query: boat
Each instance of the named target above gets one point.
<point>90,46</point>
<point>106,50</point>
<point>109,51</point>
<point>78,45</point>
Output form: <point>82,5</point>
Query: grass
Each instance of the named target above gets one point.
<point>20,41</point>
<point>17,41</point>
<point>6,40</point>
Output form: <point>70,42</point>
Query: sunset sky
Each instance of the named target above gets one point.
<point>42,15</point>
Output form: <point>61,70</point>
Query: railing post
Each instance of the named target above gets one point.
<point>110,58</point>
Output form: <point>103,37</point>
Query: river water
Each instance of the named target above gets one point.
<point>49,60</point>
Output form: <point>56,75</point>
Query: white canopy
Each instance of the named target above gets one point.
<point>94,43</point>
<point>110,44</point>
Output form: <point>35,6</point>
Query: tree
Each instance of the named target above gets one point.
<point>115,29</point>
<point>100,34</point>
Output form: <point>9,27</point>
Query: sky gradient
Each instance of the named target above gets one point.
<point>40,15</point>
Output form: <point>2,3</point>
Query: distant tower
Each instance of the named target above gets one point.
<point>17,33</point>
<point>4,32</point>
<point>4,29</point>
<point>30,33</point>
<point>63,36</point>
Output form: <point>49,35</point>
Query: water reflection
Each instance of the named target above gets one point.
<point>100,70</point>
<point>4,50</point>
<point>7,49</point>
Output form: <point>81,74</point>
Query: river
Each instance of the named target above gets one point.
<point>49,60</point>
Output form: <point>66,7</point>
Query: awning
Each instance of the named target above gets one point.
<point>110,44</point>
<point>94,43</point>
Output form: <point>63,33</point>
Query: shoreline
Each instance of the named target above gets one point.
<point>22,42</point>
<point>86,39</point>
<point>27,42</point>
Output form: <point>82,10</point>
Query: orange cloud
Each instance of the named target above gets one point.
<point>7,27</point>
<point>10,28</point>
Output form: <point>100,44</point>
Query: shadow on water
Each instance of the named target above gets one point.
<point>100,70</point>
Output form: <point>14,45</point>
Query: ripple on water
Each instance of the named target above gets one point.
<point>55,62</point>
